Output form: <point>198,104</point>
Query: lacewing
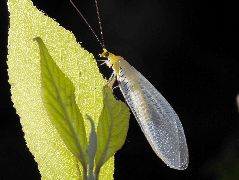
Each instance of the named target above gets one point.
<point>157,119</point>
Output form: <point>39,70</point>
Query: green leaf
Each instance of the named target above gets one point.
<point>58,95</point>
<point>92,148</point>
<point>112,128</point>
<point>54,159</point>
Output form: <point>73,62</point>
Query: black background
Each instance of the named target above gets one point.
<point>187,49</point>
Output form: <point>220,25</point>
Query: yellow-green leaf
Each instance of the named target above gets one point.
<point>112,128</point>
<point>54,160</point>
<point>58,95</point>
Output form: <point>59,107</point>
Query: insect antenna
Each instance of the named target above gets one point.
<point>100,24</point>
<point>82,16</point>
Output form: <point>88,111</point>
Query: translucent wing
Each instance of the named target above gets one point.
<point>156,117</point>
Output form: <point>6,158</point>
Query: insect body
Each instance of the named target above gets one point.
<point>157,119</point>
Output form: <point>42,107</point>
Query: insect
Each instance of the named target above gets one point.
<point>157,119</point>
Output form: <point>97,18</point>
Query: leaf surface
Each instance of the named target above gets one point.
<point>54,160</point>
<point>112,128</point>
<point>58,95</point>
<point>92,148</point>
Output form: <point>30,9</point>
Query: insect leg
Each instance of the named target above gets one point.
<point>111,80</point>
<point>103,62</point>
<point>115,87</point>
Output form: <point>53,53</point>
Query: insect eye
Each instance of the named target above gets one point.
<point>107,54</point>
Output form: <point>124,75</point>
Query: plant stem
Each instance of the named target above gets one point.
<point>84,173</point>
<point>97,172</point>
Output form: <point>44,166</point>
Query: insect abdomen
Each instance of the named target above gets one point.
<point>132,92</point>
<point>158,120</point>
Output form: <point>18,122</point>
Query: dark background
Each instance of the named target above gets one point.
<point>187,49</point>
